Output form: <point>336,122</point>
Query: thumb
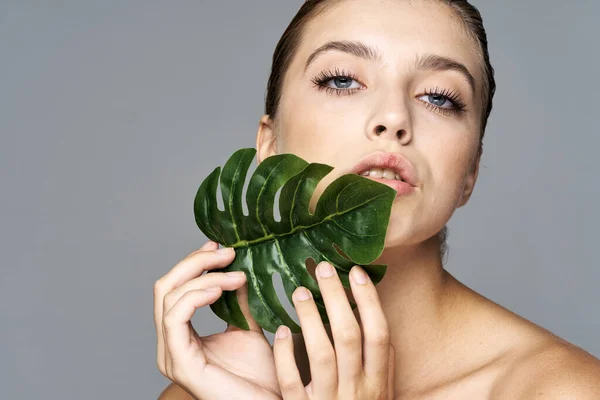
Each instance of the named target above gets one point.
<point>242,297</point>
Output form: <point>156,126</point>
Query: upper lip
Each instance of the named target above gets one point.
<point>394,161</point>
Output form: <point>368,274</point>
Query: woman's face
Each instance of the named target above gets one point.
<point>334,120</point>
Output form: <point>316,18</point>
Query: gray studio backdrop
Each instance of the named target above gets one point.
<point>112,113</point>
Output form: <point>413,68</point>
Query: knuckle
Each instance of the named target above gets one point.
<point>158,287</point>
<point>350,337</point>
<point>380,337</point>
<point>291,386</point>
<point>324,358</point>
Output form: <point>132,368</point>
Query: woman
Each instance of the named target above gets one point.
<point>390,89</point>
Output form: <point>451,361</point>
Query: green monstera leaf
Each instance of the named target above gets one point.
<point>347,228</point>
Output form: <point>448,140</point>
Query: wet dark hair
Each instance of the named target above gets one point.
<point>289,42</point>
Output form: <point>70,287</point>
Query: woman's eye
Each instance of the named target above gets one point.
<point>342,82</point>
<point>439,100</point>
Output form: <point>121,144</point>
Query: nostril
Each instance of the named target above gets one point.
<point>379,129</point>
<point>400,133</point>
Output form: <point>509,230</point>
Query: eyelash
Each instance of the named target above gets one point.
<point>325,76</point>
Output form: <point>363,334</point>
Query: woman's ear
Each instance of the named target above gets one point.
<point>470,181</point>
<point>266,139</point>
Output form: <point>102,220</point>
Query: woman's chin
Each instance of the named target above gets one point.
<point>400,231</point>
<point>396,239</point>
<point>402,235</point>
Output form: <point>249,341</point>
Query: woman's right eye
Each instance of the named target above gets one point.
<point>342,82</point>
<point>337,82</point>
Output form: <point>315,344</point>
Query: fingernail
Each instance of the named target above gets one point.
<point>301,294</point>
<point>282,332</point>
<point>235,274</point>
<point>225,250</point>
<point>325,270</point>
<point>358,275</point>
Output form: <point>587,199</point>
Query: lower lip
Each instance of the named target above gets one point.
<point>402,188</point>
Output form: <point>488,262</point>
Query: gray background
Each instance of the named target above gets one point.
<point>112,113</point>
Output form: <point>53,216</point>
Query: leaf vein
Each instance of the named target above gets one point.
<point>349,232</point>
<point>243,243</point>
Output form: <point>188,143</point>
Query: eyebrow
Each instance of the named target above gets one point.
<point>428,61</point>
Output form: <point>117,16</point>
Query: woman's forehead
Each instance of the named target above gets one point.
<point>400,32</point>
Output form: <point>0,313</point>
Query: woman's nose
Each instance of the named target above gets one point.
<point>391,119</point>
<point>390,132</point>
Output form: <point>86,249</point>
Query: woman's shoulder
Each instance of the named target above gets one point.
<point>540,364</point>
<point>530,360</point>
<point>554,369</point>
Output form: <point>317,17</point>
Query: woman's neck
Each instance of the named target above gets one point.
<point>419,298</point>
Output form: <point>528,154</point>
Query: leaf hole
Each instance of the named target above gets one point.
<point>220,202</point>
<point>341,252</point>
<point>283,299</point>
<point>249,174</point>
<point>276,213</point>
<point>311,267</point>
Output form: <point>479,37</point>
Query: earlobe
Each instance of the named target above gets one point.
<point>266,139</point>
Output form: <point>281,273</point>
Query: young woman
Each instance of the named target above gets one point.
<point>396,90</point>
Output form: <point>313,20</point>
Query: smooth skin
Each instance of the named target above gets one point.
<point>449,342</point>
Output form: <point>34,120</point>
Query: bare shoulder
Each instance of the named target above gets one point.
<point>174,392</point>
<point>531,362</point>
<point>556,369</point>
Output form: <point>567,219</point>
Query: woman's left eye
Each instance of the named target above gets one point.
<point>439,100</point>
<point>443,101</point>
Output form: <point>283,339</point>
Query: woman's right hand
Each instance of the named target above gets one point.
<point>232,364</point>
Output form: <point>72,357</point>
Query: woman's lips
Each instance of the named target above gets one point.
<point>402,188</point>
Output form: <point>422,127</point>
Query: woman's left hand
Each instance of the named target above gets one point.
<point>354,368</point>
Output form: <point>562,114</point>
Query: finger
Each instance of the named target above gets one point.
<point>209,245</point>
<point>242,297</point>
<point>176,320</point>
<point>190,267</point>
<point>288,376</point>
<point>321,355</point>
<point>194,265</point>
<point>161,352</point>
<point>225,280</point>
<point>344,327</point>
<point>375,327</point>
<point>392,372</point>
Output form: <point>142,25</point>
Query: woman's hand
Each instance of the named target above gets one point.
<point>361,366</point>
<point>228,365</point>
